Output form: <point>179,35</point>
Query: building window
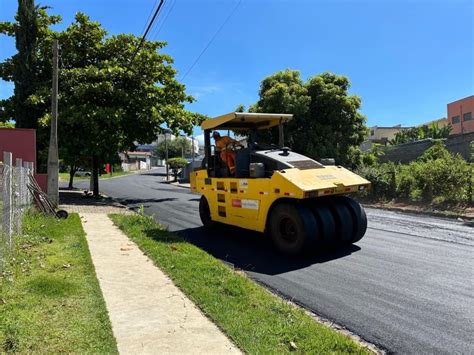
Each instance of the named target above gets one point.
<point>455,119</point>
<point>372,132</point>
<point>467,116</point>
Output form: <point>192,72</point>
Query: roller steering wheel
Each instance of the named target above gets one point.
<point>235,146</point>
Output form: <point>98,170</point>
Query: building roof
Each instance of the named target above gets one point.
<point>139,154</point>
<point>398,126</point>
<point>437,121</point>
<point>464,98</point>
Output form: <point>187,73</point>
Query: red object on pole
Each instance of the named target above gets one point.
<point>107,168</point>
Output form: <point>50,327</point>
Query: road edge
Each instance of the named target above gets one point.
<point>450,215</point>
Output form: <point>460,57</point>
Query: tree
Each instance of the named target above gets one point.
<point>24,72</point>
<point>176,165</point>
<point>334,116</point>
<point>371,157</point>
<point>240,108</point>
<point>7,125</point>
<point>30,70</point>
<point>327,122</point>
<point>107,102</point>
<point>30,67</point>
<point>112,101</point>
<point>418,133</point>
<point>176,148</point>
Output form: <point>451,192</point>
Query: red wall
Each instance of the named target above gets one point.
<point>459,108</point>
<point>20,142</point>
<point>42,180</point>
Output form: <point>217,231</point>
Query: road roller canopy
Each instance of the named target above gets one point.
<point>245,120</point>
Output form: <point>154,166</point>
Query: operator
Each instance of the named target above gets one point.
<point>224,146</point>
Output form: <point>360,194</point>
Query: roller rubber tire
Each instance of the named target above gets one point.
<point>343,219</point>
<point>293,228</point>
<point>359,218</point>
<point>205,213</point>
<point>326,223</point>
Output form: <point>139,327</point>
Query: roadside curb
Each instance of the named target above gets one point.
<point>176,184</point>
<point>451,215</point>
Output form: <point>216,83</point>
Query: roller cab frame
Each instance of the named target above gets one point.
<point>300,202</point>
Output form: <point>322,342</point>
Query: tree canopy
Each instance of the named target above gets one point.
<point>176,165</point>
<point>327,122</point>
<point>418,133</point>
<point>176,147</point>
<point>30,68</point>
<point>107,102</point>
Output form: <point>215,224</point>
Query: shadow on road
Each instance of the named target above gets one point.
<point>178,190</point>
<point>253,252</point>
<point>78,198</point>
<point>134,203</point>
<point>154,174</point>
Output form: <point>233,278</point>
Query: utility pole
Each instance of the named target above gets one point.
<point>192,139</point>
<point>53,165</point>
<point>166,156</point>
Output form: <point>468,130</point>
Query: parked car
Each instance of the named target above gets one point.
<point>82,172</point>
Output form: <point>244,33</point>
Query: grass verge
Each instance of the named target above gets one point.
<point>65,176</point>
<point>256,320</point>
<point>50,299</point>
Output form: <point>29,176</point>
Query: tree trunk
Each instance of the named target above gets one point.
<point>95,175</point>
<point>72,172</point>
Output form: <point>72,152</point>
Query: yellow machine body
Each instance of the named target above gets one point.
<point>246,202</point>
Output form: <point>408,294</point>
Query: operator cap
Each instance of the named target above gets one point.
<point>216,134</point>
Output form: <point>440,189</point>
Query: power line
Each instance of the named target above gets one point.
<point>164,20</point>
<point>147,30</point>
<point>211,40</point>
<point>149,16</point>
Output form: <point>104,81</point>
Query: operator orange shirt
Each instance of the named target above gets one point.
<point>222,142</point>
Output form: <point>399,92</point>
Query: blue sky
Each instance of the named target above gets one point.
<point>406,59</point>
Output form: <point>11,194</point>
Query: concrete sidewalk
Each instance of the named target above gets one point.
<point>149,314</point>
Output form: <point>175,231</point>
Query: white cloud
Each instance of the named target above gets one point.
<point>201,90</point>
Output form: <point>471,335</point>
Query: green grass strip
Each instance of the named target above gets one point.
<point>50,299</point>
<point>256,320</point>
<point>65,176</point>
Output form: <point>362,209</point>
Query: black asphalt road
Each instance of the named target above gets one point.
<point>407,286</point>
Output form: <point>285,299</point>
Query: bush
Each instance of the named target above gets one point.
<point>436,176</point>
<point>382,178</point>
<point>441,175</point>
<point>176,164</point>
<point>404,180</point>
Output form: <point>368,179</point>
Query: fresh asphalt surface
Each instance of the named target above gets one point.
<point>407,286</point>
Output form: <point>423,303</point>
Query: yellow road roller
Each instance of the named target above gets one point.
<point>301,203</point>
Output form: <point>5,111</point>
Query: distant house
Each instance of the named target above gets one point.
<point>440,122</point>
<point>136,160</point>
<point>380,135</point>
<point>460,114</point>
<point>160,139</point>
